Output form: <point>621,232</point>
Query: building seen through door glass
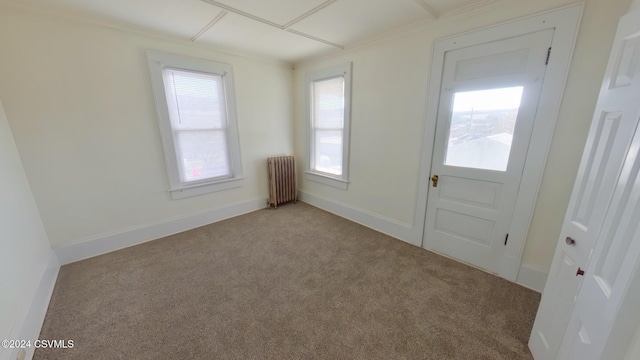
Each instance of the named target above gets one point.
<point>481,128</point>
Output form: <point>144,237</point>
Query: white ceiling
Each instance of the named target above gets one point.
<point>288,30</point>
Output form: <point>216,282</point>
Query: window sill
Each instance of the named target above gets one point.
<point>327,180</point>
<point>205,188</point>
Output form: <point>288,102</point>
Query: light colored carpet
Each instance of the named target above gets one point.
<point>291,283</point>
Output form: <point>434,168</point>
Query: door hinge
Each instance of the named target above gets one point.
<point>548,56</point>
<point>506,238</point>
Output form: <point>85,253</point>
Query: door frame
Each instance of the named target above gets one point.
<point>565,21</point>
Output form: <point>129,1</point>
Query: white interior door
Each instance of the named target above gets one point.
<point>585,225</point>
<point>607,278</point>
<point>488,102</point>
<point>616,255</point>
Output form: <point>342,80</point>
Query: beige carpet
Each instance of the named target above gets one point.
<point>291,283</point>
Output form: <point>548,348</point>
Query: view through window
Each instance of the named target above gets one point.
<point>198,120</point>
<point>328,125</point>
<point>481,128</point>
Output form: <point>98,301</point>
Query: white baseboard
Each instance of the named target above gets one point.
<point>31,325</point>
<point>404,232</point>
<point>532,278</point>
<point>106,243</point>
<point>528,277</point>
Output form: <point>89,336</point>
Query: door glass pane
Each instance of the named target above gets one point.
<point>328,151</point>
<point>481,129</point>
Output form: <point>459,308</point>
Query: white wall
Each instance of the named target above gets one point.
<point>79,100</point>
<point>390,78</point>
<point>25,254</point>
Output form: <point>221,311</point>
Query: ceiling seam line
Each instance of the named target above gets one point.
<point>315,38</point>
<point>209,25</point>
<point>428,8</point>
<point>245,14</point>
<point>267,22</point>
<point>308,13</point>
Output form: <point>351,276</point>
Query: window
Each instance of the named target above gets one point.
<point>196,110</point>
<point>328,116</point>
<point>482,126</point>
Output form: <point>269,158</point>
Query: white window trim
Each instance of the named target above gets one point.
<point>341,181</point>
<point>178,189</point>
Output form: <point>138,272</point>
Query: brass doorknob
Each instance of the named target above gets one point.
<point>434,180</point>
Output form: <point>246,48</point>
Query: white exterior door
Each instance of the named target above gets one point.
<point>488,102</point>
<point>599,238</point>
